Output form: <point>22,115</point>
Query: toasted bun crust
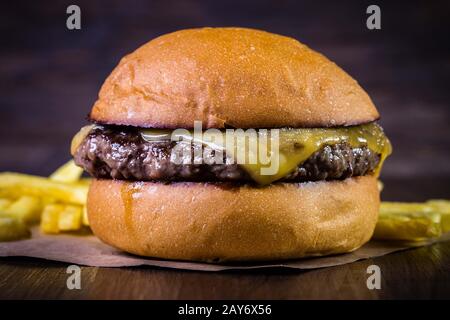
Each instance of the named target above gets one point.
<point>234,77</point>
<point>207,222</point>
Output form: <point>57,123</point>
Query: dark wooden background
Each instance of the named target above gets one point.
<point>50,76</point>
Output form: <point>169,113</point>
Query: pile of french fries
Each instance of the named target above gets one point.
<point>57,202</point>
<point>413,221</point>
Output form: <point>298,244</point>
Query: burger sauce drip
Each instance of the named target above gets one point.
<point>127,191</point>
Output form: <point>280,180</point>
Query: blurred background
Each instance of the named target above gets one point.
<point>50,76</point>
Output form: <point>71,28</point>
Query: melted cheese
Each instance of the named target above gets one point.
<point>79,138</point>
<point>297,145</point>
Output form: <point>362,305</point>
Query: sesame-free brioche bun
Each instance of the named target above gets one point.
<point>232,77</point>
<point>220,222</point>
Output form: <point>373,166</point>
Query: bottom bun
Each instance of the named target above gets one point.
<point>216,222</point>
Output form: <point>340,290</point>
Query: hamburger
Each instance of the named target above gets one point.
<point>322,198</point>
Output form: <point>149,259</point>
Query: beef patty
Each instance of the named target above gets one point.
<point>121,153</point>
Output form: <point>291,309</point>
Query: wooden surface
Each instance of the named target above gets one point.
<point>50,76</point>
<point>422,273</point>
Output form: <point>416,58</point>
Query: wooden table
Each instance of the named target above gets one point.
<point>422,273</point>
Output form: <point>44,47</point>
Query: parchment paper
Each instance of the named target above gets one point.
<point>90,251</point>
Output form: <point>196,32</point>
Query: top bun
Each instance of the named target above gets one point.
<point>234,77</point>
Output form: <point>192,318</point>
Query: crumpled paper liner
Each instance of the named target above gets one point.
<point>90,251</point>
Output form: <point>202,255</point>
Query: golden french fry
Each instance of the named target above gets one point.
<point>413,227</point>
<point>16,183</point>
<point>50,218</point>
<point>58,200</point>
<point>404,207</point>
<point>68,172</point>
<point>445,222</point>
<point>407,221</point>
<point>443,207</point>
<point>4,203</point>
<point>85,220</point>
<point>10,193</point>
<point>440,204</point>
<point>12,228</point>
<point>47,200</point>
<point>26,208</point>
<point>70,218</point>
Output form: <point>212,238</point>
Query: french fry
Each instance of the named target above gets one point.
<point>68,172</point>
<point>16,183</point>
<point>9,193</point>
<point>443,206</point>
<point>388,207</point>
<point>4,203</point>
<point>58,200</point>
<point>407,221</point>
<point>26,208</point>
<point>12,228</point>
<point>50,218</point>
<point>70,218</point>
<point>84,219</point>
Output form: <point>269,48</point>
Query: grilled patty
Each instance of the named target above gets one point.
<point>121,153</point>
